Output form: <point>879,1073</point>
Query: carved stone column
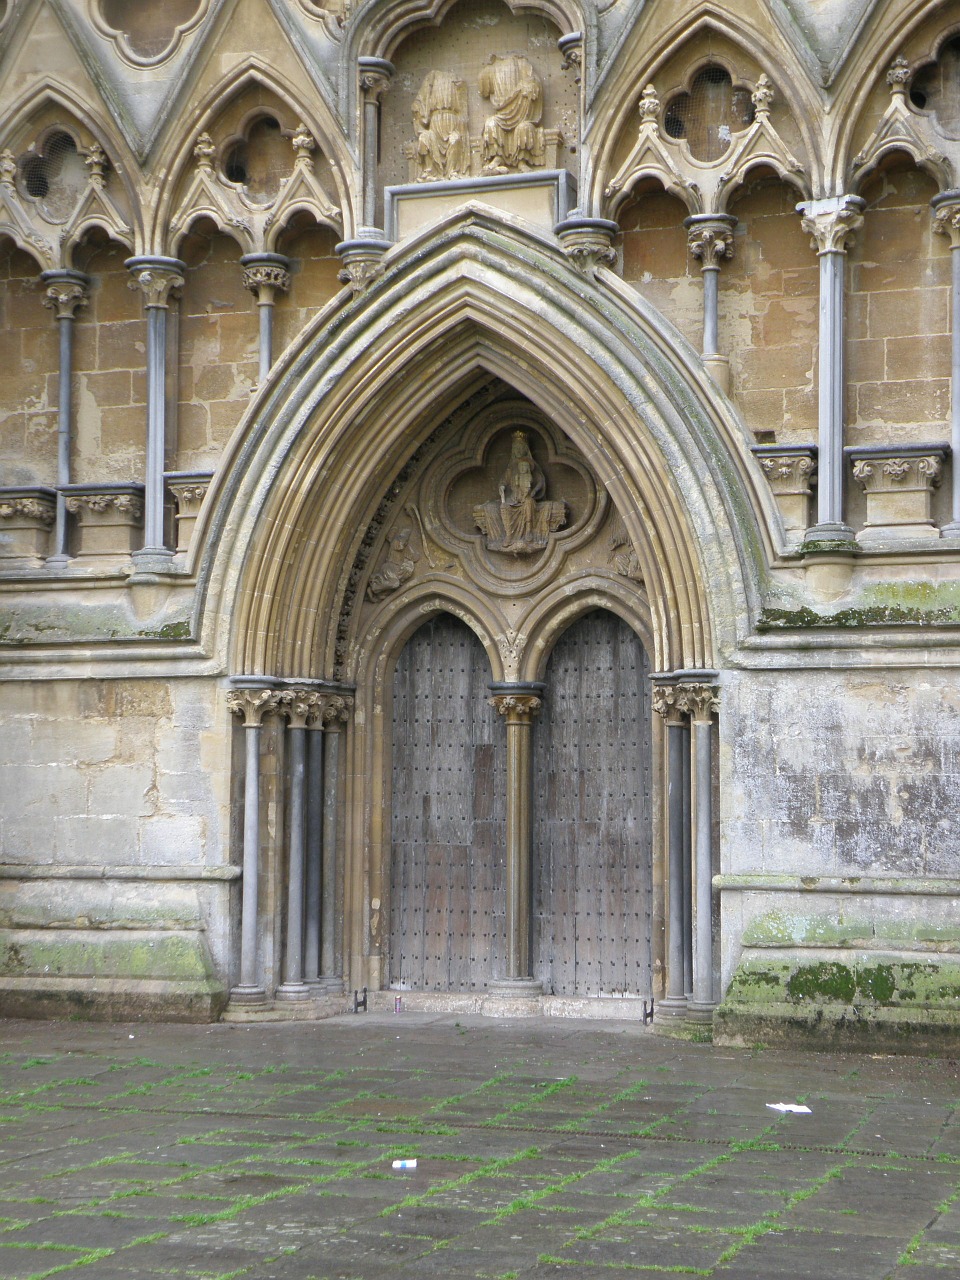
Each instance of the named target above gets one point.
<point>832,223</point>
<point>265,275</point>
<point>518,704</point>
<point>160,280</point>
<point>789,470</point>
<point>668,703</point>
<point>702,702</point>
<point>946,222</point>
<point>298,705</point>
<point>710,240</point>
<point>899,481</point>
<point>66,293</point>
<point>375,77</point>
<point>253,703</point>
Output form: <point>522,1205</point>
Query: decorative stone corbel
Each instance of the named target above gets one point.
<point>571,50</point>
<point>362,261</point>
<point>899,481</point>
<point>789,470</point>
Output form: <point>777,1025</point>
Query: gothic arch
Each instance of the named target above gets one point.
<point>630,72</point>
<point>369,381</point>
<point>378,26</point>
<point>178,155</point>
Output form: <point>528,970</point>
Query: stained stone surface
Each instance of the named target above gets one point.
<point>543,1149</point>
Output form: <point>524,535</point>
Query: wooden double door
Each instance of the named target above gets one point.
<point>590,925</point>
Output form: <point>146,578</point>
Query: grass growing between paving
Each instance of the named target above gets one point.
<point>646,1157</point>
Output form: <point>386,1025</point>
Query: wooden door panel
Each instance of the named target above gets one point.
<point>446,876</point>
<point>592,871</point>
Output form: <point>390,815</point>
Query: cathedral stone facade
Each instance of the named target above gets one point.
<point>479,511</point>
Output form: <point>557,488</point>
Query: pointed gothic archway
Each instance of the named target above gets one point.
<point>365,401</point>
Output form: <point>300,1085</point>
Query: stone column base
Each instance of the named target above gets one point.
<point>294,991</point>
<point>512,998</point>
<point>247,995</point>
<point>672,1007</point>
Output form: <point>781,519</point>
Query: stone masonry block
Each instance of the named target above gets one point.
<point>121,789</point>
<point>171,840</point>
<point>96,839</point>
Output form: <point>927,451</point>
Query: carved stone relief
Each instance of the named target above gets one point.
<point>397,563</point>
<point>521,521</point>
<point>512,136</point>
<point>443,133</point>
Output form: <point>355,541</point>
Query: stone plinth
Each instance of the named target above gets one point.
<point>789,470</point>
<point>189,489</point>
<point>109,518</point>
<point>26,518</point>
<point>899,481</point>
<point>543,197</point>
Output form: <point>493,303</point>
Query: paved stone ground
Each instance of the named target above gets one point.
<point>544,1148</point>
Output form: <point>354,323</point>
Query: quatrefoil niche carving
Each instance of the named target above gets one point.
<point>147,31</point>
<point>709,113</point>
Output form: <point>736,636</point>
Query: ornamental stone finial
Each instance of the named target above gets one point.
<point>649,106</point>
<point>204,151</point>
<point>898,76</point>
<point>762,96</point>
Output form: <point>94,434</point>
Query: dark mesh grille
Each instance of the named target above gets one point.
<point>709,115</point>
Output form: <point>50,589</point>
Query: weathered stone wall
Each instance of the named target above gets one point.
<point>28,389</point>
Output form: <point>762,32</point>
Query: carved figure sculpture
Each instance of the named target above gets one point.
<point>440,119</point>
<point>512,136</point>
<point>396,567</point>
<point>520,523</point>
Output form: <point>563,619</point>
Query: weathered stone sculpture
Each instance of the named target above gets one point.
<point>396,568</point>
<point>512,136</point>
<point>520,523</point>
<point>440,119</point>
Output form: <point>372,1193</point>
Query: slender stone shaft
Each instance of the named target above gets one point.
<point>703,949</point>
<point>253,704</point>
<point>313,893</point>
<point>160,279</point>
<point>251,864</point>
<point>832,223</point>
<point>332,737</point>
<point>710,240</point>
<point>375,77</point>
<point>687,895</point>
<point>676,738</point>
<point>265,275</point>
<point>518,707</point>
<point>946,222</point>
<point>293,986</point>
<point>66,292</point>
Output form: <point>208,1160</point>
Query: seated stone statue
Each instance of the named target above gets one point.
<point>440,119</point>
<point>520,523</point>
<point>512,137</point>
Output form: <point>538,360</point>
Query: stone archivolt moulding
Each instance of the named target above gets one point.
<point>256,225</point>
<point>899,481</point>
<point>703,185</point>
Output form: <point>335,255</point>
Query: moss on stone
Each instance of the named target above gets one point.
<point>828,980</point>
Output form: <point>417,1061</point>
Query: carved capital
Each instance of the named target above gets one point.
<point>361,262</point>
<point>299,706</point>
<point>674,701</point>
<point>587,242</point>
<point>26,508</point>
<point>946,216</point>
<point>518,708</point>
<point>831,223</point>
<point>125,504</point>
<point>710,239</point>
<point>261,276</point>
<point>893,472</point>
<point>571,50</point>
<point>788,473</point>
<point>702,701</point>
<point>334,709</point>
<point>252,704</point>
<point>66,292</point>
<point>159,279</point>
<point>375,77</point>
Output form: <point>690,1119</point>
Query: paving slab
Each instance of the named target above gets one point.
<point>542,1148</point>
